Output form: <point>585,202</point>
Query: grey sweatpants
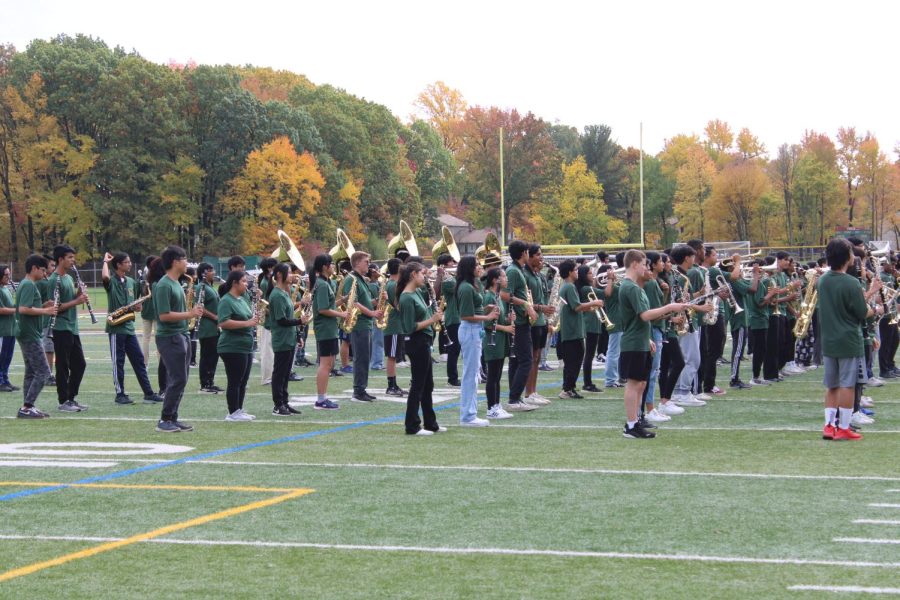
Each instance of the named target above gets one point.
<point>37,371</point>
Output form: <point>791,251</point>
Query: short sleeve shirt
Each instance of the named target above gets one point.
<point>168,297</point>
<point>571,325</point>
<point>7,322</point>
<point>498,350</point>
<point>363,296</point>
<point>208,327</point>
<point>119,293</point>
<point>413,311</point>
<point>469,301</point>
<point>30,326</point>
<point>284,337</point>
<point>66,320</point>
<point>515,286</point>
<point>238,340</point>
<point>326,328</point>
<point>451,310</point>
<point>635,331</point>
<point>842,312</point>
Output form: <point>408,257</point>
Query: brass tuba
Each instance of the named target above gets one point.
<point>489,254</point>
<point>287,251</point>
<point>403,241</point>
<point>446,245</point>
<point>343,249</point>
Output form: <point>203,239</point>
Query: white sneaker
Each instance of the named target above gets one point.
<point>812,367</point>
<point>860,419</point>
<point>237,416</point>
<point>520,407</point>
<point>654,416</point>
<point>536,400</point>
<point>874,382</point>
<point>246,414</point>
<point>689,400</point>
<point>670,409</point>
<point>791,369</point>
<point>497,412</point>
<point>759,382</point>
<point>424,432</point>
<point>403,365</point>
<point>866,402</point>
<point>441,429</point>
<point>443,358</point>
<point>563,395</point>
<point>476,422</point>
<point>704,396</point>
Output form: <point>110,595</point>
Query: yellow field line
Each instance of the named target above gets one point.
<point>141,537</point>
<point>123,486</point>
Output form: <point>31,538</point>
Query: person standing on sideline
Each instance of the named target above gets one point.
<point>842,305</point>
<point>284,338</point>
<point>470,303</point>
<point>30,311</point>
<point>172,341</point>
<point>516,295</point>
<point>361,335</point>
<point>121,290</point>
<point>326,318</point>
<point>208,329</point>
<point>540,294</point>
<point>70,363</point>
<point>235,345</point>
<point>7,329</point>
<point>417,325</point>
<point>148,317</point>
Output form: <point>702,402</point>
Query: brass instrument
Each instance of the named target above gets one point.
<point>195,322</point>
<point>807,307</point>
<point>83,289</point>
<point>439,325</point>
<point>490,253</point>
<point>777,312</point>
<point>382,305</point>
<point>342,249</point>
<point>712,316</point>
<point>684,291</point>
<point>732,301</point>
<point>603,278</point>
<point>530,302</point>
<point>189,297</point>
<point>553,320</point>
<point>123,314</point>
<point>601,314</point>
<point>287,251</point>
<point>351,308</point>
<point>405,241</point>
<point>446,245</point>
<point>726,262</point>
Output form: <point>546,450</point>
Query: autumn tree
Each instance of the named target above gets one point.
<point>749,146</point>
<point>781,171</point>
<point>675,152</point>
<point>694,180</point>
<point>736,192</point>
<point>817,199</point>
<point>277,189</point>
<point>443,107</point>
<point>847,151</point>
<point>719,138</point>
<point>875,183</point>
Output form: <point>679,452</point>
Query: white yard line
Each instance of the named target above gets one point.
<point>876,522</point>
<point>495,551</point>
<point>856,540</point>
<point>884,505</point>
<point>845,589</point>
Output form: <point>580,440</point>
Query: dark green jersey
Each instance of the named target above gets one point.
<point>208,327</point>
<point>326,328</point>
<point>43,286</point>
<point>655,300</point>
<point>539,293</point>
<point>363,296</point>
<point>7,322</point>
<point>168,297</point>
<point>413,311</point>
<point>66,320</point>
<point>635,331</point>
<point>451,310</point>
<point>30,326</point>
<point>842,313</point>
<point>120,291</point>
<point>469,300</point>
<point>498,350</point>
<point>516,286</point>
<point>571,324</point>
<point>284,337</point>
<point>591,323</point>
<point>393,322</point>
<point>238,340</point>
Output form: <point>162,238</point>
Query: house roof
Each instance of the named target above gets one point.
<point>451,221</point>
<point>473,237</point>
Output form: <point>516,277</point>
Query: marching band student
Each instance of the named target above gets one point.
<point>172,336</point>
<point>326,317</point>
<point>208,328</point>
<point>842,305</point>
<point>30,310</point>
<point>743,291</point>
<point>70,364</point>
<point>671,362</point>
<point>284,338</point>
<point>516,295</point>
<point>584,283</point>
<point>393,340</point>
<point>540,294</point>
<point>635,360</point>
<point>571,328</point>
<point>775,336</point>
<point>376,362</point>
<point>712,337</point>
<point>686,272</point>
<point>7,329</point>
<point>496,344</point>
<point>611,297</point>
<point>470,303</point>
<point>361,336</point>
<point>448,340</point>
<point>235,346</point>
<point>416,324</point>
<point>148,317</point>
<point>758,307</point>
<point>655,298</point>
<point>122,290</point>
<point>264,339</point>
<point>47,337</point>
<point>888,333</point>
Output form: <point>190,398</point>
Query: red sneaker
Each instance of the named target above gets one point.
<point>846,434</point>
<point>828,432</point>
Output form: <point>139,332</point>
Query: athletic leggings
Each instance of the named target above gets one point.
<point>237,369</point>
<point>759,337</point>
<point>590,353</point>
<point>494,375</point>
<point>670,366</point>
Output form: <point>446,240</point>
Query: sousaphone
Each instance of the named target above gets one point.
<point>287,251</point>
<point>403,241</point>
<point>343,249</point>
<point>446,245</point>
<point>489,253</point>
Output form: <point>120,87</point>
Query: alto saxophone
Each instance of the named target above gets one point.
<point>195,326</point>
<point>382,305</point>
<point>553,320</point>
<point>189,299</point>
<point>807,307</point>
<point>530,298</point>
<point>351,308</point>
<point>712,316</point>
<point>684,327</point>
<point>123,314</point>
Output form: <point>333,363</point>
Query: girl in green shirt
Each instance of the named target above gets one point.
<point>236,343</point>
<point>470,304</point>
<point>495,347</point>
<point>7,330</point>
<point>283,327</point>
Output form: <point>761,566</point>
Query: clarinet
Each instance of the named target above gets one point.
<point>200,297</point>
<point>52,322</point>
<point>83,289</point>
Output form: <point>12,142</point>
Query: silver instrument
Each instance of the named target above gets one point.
<point>83,289</point>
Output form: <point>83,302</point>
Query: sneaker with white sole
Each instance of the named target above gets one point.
<point>246,414</point>
<point>497,412</point>
<point>866,402</point>
<point>564,395</point>
<point>476,422</point>
<point>520,407</point>
<point>424,432</point>
<point>238,416</point>
<point>688,400</point>
<point>654,416</point>
<point>670,409</point>
<point>757,381</point>
<point>704,396</point>
<point>860,419</point>
<point>874,382</point>
<point>536,400</point>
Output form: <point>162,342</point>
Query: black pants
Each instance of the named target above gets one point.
<point>671,363</point>
<point>760,338</point>
<point>590,352</point>
<point>715,335</point>
<point>452,352</point>
<point>421,384</point>
<point>737,352</point>
<point>572,354</point>
<point>175,354</point>
<point>70,364</point>
<point>603,342</point>
<point>787,354</point>
<point>889,336</point>
<point>122,345</point>
<point>281,372</point>
<point>520,364</point>
<point>494,375</point>
<point>209,357</point>
<point>237,369</point>
<point>774,340</point>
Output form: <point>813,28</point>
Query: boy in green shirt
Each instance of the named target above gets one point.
<point>30,311</point>
<point>70,363</point>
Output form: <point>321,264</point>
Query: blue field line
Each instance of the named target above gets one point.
<point>232,450</point>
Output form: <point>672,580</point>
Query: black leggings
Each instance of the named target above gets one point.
<point>237,369</point>
<point>281,373</point>
<point>572,353</point>
<point>209,356</point>
<point>494,375</point>
<point>671,364</point>
<point>590,351</point>
<point>421,384</point>
<point>759,337</point>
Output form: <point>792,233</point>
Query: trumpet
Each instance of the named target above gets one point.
<point>601,314</point>
<point>603,278</point>
<point>727,262</point>
<point>732,301</point>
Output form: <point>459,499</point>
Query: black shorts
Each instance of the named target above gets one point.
<point>343,335</point>
<point>635,365</point>
<point>538,337</point>
<point>327,347</point>
<point>393,346</point>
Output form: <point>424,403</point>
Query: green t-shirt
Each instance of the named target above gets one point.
<point>30,326</point>
<point>611,306</point>
<point>741,290</point>
<point>842,313</point>
<point>66,320</point>
<point>451,309</point>
<point>363,296</point>
<point>326,328</point>
<point>698,282</point>
<point>591,323</point>
<point>119,293</point>
<point>46,293</point>
<point>168,297</point>
<point>515,286</point>
<point>208,327</point>
<point>571,324</point>
<point>758,316</point>
<point>469,300</point>
<point>655,300</point>
<point>281,307</point>
<point>7,322</point>
<point>393,322</point>
<point>239,340</point>
<point>539,294</point>
<point>412,311</point>
<point>635,331</point>
<point>498,350</point>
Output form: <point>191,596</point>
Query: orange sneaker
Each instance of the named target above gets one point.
<point>828,432</point>
<point>846,434</point>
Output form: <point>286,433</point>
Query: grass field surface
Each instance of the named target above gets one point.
<point>740,498</point>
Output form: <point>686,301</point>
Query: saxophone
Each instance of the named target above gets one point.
<point>382,305</point>
<point>712,316</point>
<point>553,320</point>
<point>530,303</point>
<point>351,308</point>
<point>684,327</point>
<point>807,307</point>
<point>123,314</point>
<point>194,328</point>
<point>189,300</point>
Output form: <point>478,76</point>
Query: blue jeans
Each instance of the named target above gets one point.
<point>377,360</point>
<point>612,358</point>
<point>657,337</point>
<point>470,344</point>
<point>7,345</point>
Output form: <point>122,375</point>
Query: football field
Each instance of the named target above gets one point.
<point>740,498</point>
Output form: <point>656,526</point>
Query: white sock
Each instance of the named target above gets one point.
<point>631,424</point>
<point>845,414</point>
<point>830,416</point>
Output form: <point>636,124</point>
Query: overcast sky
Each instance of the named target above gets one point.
<point>777,67</point>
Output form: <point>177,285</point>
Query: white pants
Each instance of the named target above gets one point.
<point>266,356</point>
<point>147,334</point>
<point>690,349</point>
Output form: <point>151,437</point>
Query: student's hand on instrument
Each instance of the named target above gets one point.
<point>343,315</point>
<point>197,311</point>
<point>51,310</point>
<point>531,313</point>
<point>548,310</point>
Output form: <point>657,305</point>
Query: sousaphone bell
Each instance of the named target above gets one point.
<point>343,249</point>
<point>403,241</point>
<point>489,253</point>
<point>446,245</point>
<point>287,251</point>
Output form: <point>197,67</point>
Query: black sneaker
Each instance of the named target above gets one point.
<point>336,373</point>
<point>217,389</point>
<point>80,406</point>
<point>590,388</point>
<point>281,411</point>
<point>395,391</point>
<point>167,427</point>
<point>152,399</point>
<point>293,410</point>
<point>455,383</point>
<point>369,396</point>
<point>363,398</point>
<point>123,399</point>
<point>51,380</point>
<point>208,390</point>
<point>294,377</point>
<point>30,412</point>
<point>637,432</point>
<point>646,424</point>
<point>15,388</point>
<point>5,387</point>
<point>68,406</point>
<point>740,385</point>
<point>183,426</point>
<point>574,394</point>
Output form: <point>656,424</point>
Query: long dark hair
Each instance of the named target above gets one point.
<point>406,274</point>
<point>282,269</point>
<point>465,271</point>
<point>156,271</point>
<point>321,261</point>
<point>492,276</point>
<point>230,280</point>
<point>582,280</point>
